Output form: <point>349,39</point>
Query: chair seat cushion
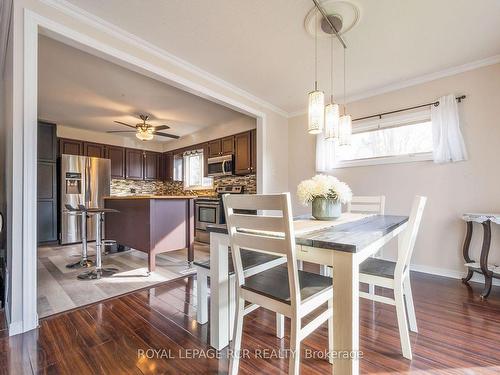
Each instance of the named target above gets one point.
<point>249,259</point>
<point>378,267</point>
<point>273,283</point>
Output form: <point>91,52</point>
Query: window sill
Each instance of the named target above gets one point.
<point>425,156</point>
<point>198,187</point>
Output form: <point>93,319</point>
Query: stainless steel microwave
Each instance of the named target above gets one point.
<point>221,166</point>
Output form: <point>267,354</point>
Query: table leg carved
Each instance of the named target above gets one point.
<point>465,250</point>
<point>483,261</point>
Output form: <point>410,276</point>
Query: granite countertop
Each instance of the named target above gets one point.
<point>153,197</point>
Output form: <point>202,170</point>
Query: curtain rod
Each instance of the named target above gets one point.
<point>379,115</point>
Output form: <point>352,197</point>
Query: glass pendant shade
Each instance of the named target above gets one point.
<point>316,112</point>
<point>145,135</point>
<point>331,121</point>
<point>345,130</point>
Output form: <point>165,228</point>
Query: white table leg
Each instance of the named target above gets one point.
<point>345,311</point>
<point>219,291</point>
<point>202,295</point>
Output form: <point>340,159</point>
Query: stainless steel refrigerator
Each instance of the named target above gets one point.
<point>84,181</point>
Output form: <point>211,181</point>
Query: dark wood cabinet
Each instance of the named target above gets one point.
<point>134,164</point>
<point>94,150</point>
<point>117,156</point>
<point>227,147</point>
<point>242,154</point>
<point>215,148</point>
<point>168,166</point>
<point>47,142</point>
<point>253,150</point>
<point>70,147</point>
<point>46,183</point>
<point>151,165</point>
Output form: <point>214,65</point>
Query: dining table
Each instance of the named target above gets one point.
<point>343,244</point>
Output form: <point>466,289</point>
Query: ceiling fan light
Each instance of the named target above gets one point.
<point>316,112</point>
<point>144,135</point>
<point>332,121</point>
<point>345,130</point>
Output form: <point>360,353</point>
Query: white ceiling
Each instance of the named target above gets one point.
<point>261,46</point>
<point>83,91</point>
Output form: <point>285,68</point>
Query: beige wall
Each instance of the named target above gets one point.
<point>213,132</point>
<point>109,139</point>
<point>470,186</point>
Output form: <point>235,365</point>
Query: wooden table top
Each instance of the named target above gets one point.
<point>349,237</point>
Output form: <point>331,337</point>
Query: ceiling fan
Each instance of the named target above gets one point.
<point>145,131</point>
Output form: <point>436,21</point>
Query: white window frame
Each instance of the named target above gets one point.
<point>186,172</point>
<point>386,123</point>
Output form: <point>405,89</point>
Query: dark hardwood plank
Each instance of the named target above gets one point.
<point>458,334</point>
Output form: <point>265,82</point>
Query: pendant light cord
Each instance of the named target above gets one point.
<point>316,54</point>
<point>345,69</point>
<point>331,72</point>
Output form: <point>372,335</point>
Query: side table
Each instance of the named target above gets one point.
<point>489,271</point>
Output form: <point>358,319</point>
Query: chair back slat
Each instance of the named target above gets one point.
<point>263,233</point>
<point>367,204</point>
<point>263,223</point>
<point>407,240</point>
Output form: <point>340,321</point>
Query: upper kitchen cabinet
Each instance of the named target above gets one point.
<point>94,150</point>
<point>70,147</point>
<point>215,148</point>
<point>243,153</point>
<point>227,145</point>
<point>168,166</point>
<point>134,164</point>
<point>117,156</point>
<point>151,165</point>
<point>47,142</point>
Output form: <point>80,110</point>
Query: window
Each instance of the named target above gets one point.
<point>194,170</point>
<point>394,139</point>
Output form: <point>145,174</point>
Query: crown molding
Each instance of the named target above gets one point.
<point>119,33</point>
<point>415,81</point>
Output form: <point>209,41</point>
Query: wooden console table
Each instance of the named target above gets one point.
<point>489,271</point>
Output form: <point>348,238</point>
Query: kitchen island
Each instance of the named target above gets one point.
<point>152,224</point>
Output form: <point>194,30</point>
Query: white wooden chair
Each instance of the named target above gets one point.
<point>367,204</point>
<point>396,276</point>
<point>284,290</point>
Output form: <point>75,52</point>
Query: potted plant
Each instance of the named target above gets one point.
<point>326,193</point>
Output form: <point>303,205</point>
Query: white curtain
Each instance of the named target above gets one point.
<point>448,142</point>
<point>325,154</point>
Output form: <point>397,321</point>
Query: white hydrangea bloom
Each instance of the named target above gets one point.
<point>324,186</point>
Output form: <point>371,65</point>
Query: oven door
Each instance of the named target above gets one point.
<point>207,213</point>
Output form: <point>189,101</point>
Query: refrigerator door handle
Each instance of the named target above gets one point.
<point>88,192</point>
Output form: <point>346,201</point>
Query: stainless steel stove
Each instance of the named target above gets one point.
<point>209,210</point>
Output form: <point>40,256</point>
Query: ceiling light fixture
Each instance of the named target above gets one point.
<point>316,108</point>
<point>144,134</point>
<point>331,109</point>
<point>345,121</point>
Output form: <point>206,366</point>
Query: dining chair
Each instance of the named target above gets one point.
<point>367,204</point>
<point>396,276</point>
<point>284,290</point>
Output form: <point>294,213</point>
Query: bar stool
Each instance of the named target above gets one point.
<point>99,271</point>
<point>84,261</point>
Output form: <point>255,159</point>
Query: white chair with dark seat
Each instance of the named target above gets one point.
<point>367,204</point>
<point>282,289</point>
<point>396,276</point>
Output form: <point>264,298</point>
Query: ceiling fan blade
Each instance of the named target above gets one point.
<point>122,123</point>
<point>121,131</point>
<point>166,135</point>
<point>160,127</point>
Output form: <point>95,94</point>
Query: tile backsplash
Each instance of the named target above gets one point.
<point>132,187</point>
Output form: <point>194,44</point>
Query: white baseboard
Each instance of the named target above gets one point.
<point>453,274</point>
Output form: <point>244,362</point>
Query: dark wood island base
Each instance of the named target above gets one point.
<point>152,224</point>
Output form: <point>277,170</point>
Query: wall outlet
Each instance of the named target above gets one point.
<point>133,191</point>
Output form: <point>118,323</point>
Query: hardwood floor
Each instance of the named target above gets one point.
<point>458,334</point>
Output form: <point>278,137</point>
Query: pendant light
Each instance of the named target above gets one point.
<point>345,121</point>
<point>316,108</point>
<point>331,109</point>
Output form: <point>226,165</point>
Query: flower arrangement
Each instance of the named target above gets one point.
<point>324,186</point>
